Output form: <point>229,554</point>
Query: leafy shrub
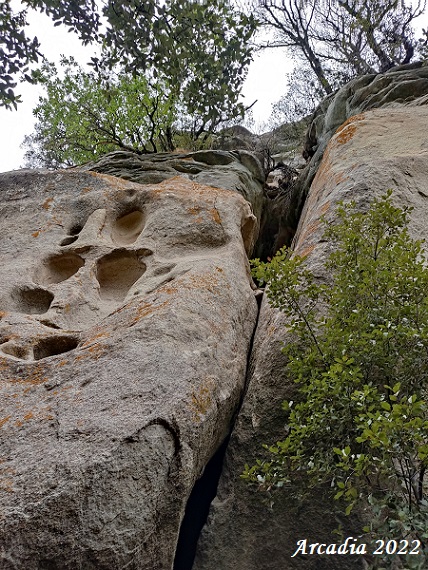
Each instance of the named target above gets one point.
<point>359,354</point>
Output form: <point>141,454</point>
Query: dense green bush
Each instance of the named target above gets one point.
<point>358,350</point>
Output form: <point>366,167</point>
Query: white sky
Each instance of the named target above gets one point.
<point>266,82</point>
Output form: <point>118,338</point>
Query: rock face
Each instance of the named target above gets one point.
<point>404,85</point>
<point>127,315</point>
<point>370,153</point>
<point>238,170</point>
<point>125,325</point>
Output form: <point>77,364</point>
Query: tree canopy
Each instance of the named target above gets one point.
<point>201,47</point>
<point>18,51</point>
<point>86,114</point>
<point>339,39</point>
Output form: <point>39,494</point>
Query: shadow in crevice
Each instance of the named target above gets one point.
<point>197,509</point>
<point>280,218</point>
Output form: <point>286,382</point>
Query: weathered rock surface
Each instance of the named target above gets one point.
<point>405,85</point>
<point>125,323</point>
<point>402,86</point>
<point>373,151</point>
<point>238,170</point>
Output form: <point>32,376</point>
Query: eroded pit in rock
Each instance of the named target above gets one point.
<point>58,268</point>
<point>73,235</point>
<point>32,301</point>
<point>54,345</point>
<point>127,228</point>
<point>117,272</point>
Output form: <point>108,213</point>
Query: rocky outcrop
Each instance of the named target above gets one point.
<point>401,86</point>
<point>128,339</point>
<point>370,153</point>
<point>404,85</point>
<point>126,313</point>
<point>238,170</point>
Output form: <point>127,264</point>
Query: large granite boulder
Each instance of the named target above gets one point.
<point>126,314</point>
<point>372,152</point>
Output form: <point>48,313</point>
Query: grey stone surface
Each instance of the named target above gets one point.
<point>405,85</point>
<point>238,170</point>
<point>126,313</point>
<point>381,149</point>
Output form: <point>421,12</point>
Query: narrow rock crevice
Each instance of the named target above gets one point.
<point>205,488</point>
<point>278,229</point>
<point>280,217</point>
<point>197,509</point>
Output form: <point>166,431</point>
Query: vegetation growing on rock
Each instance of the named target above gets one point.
<point>359,354</point>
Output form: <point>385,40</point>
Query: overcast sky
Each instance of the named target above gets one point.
<point>266,82</point>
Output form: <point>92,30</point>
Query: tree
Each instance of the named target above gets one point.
<point>200,47</point>
<point>359,420</point>
<point>18,52</point>
<point>86,114</point>
<point>339,39</point>
<point>301,98</point>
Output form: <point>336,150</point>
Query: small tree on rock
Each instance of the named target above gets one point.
<point>84,115</point>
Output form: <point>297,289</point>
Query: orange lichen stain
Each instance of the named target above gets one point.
<point>347,130</point>
<point>62,363</point>
<point>181,187</point>
<point>95,338</point>
<point>28,416</point>
<point>308,250</point>
<point>94,351</point>
<point>47,203</point>
<point>207,281</point>
<point>115,185</point>
<point>271,329</point>
<point>325,208</point>
<point>34,375</point>
<point>35,234</point>
<point>145,309</point>
<point>324,176</point>
<point>86,190</point>
<point>6,478</point>
<point>202,399</point>
<point>215,215</point>
<point>3,314</point>
<point>4,420</point>
<point>308,231</point>
<point>195,210</point>
<point>168,289</point>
